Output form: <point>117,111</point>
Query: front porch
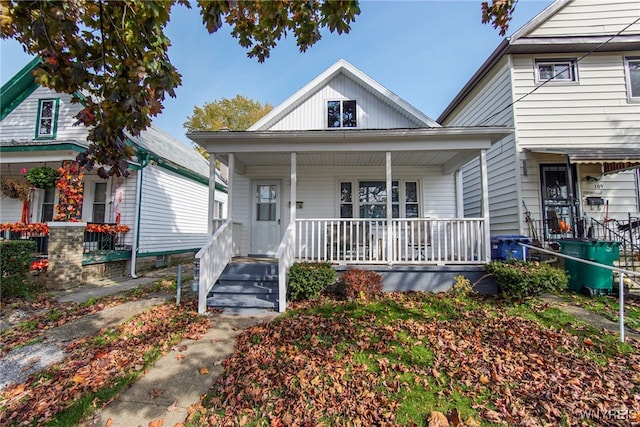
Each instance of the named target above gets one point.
<point>374,198</point>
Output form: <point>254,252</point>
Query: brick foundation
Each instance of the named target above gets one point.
<point>66,241</point>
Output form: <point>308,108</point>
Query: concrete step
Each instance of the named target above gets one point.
<point>234,287</point>
<point>268,302</point>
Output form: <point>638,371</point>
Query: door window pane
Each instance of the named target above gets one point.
<point>266,204</point>
<point>346,200</point>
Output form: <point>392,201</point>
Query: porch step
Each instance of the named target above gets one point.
<point>246,288</point>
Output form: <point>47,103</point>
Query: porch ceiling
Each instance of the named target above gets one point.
<point>427,158</point>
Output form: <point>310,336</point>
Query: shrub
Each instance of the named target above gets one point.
<point>361,284</point>
<point>307,279</point>
<point>461,286</point>
<point>15,259</point>
<point>519,279</point>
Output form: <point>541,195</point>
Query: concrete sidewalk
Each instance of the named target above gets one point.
<point>166,391</point>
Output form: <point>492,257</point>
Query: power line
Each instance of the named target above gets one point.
<point>604,43</point>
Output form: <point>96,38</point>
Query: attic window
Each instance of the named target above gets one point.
<point>341,114</point>
<point>556,71</point>
<point>47,118</point>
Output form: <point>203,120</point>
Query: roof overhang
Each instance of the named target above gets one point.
<point>449,148</point>
<point>612,159</point>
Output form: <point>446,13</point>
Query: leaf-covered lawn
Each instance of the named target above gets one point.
<point>397,360</point>
<point>47,312</point>
<point>98,367</point>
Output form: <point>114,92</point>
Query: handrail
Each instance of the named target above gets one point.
<point>214,257</point>
<point>621,271</point>
<point>286,257</point>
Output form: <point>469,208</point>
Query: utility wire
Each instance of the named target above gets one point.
<point>604,43</point>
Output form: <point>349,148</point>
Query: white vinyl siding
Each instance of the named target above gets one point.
<point>318,188</point>
<point>489,104</point>
<point>590,17</point>
<point>311,114</point>
<point>11,209</point>
<point>591,114</point>
<point>173,212</point>
<point>13,126</point>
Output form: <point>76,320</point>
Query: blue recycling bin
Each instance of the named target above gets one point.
<point>506,247</point>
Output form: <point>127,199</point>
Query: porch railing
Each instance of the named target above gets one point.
<point>286,257</point>
<point>412,241</point>
<point>213,258</point>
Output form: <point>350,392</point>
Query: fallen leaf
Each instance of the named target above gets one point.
<point>588,341</point>
<point>484,379</point>
<point>172,407</point>
<point>108,423</point>
<point>156,392</point>
<point>78,379</point>
<point>203,371</point>
<point>156,423</point>
<point>180,356</point>
<point>454,417</point>
<point>437,419</point>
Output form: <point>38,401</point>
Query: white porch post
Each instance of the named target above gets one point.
<point>459,194</point>
<point>212,192</point>
<point>232,171</point>
<point>389,207</point>
<point>294,183</point>
<point>485,203</point>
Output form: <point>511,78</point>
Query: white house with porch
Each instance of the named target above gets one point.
<point>309,182</point>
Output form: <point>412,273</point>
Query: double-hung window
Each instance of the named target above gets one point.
<point>47,118</point>
<point>341,114</point>
<point>371,199</point>
<point>99,202</point>
<point>563,70</point>
<point>632,67</point>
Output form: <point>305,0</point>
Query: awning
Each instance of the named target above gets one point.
<point>612,159</point>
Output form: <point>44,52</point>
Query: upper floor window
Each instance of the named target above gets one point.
<point>556,71</point>
<point>341,114</point>
<point>633,78</point>
<point>47,118</point>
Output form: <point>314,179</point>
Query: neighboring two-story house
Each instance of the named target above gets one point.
<point>164,202</point>
<point>568,82</point>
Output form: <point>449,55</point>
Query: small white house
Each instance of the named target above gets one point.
<point>568,82</point>
<point>345,171</point>
<point>164,201</point>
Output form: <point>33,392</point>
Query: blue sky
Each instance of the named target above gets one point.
<point>423,51</point>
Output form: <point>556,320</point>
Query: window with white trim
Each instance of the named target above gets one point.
<point>47,118</point>
<point>632,68</point>
<point>341,114</point>
<point>371,201</point>
<point>48,204</point>
<point>99,202</point>
<point>563,70</point>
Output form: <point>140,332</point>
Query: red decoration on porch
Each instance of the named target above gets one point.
<point>71,190</point>
<point>107,228</point>
<point>36,228</point>
<point>39,266</point>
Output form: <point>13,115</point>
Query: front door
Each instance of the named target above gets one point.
<point>265,227</point>
<point>558,201</point>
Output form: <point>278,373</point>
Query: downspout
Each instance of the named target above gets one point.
<point>136,234</point>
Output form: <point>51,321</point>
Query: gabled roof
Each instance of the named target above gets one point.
<point>344,68</point>
<point>521,43</point>
<point>18,88</point>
